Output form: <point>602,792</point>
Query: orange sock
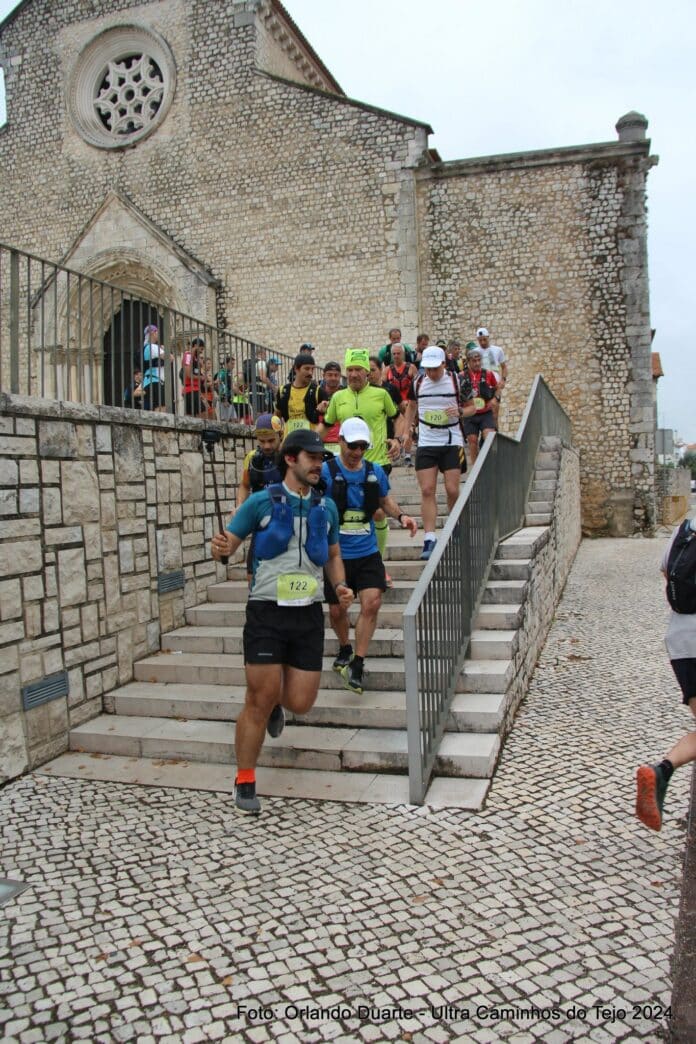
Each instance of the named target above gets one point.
<point>246,776</point>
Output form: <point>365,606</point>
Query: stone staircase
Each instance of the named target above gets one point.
<point>174,724</point>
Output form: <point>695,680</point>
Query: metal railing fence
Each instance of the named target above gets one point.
<point>65,335</point>
<point>438,617</point>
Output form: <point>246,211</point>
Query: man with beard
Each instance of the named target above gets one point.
<point>295,543</point>
<point>296,402</point>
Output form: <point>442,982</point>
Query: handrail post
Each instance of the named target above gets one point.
<point>168,376</point>
<point>416,788</point>
<point>14,322</point>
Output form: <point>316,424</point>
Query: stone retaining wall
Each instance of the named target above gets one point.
<point>553,557</point>
<point>673,493</point>
<point>98,507</point>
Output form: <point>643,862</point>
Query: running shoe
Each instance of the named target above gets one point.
<point>650,795</point>
<point>407,460</point>
<point>276,722</point>
<point>353,677</point>
<point>245,799</point>
<point>428,548</point>
<point>343,659</point>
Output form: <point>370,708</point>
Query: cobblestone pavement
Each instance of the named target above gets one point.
<point>158,916</point>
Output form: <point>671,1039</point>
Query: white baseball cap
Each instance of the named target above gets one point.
<point>432,357</point>
<point>355,430</point>
<point>482,332</point>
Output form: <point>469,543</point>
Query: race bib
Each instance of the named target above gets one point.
<point>295,425</point>
<point>295,589</point>
<point>436,417</point>
<point>355,522</point>
<point>479,403</point>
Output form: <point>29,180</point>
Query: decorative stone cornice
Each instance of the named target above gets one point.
<point>290,39</point>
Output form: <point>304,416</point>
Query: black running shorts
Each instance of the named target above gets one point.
<point>361,573</point>
<point>444,458</point>
<point>685,671</point>
<point>479,422</point>
<point>291,635</point>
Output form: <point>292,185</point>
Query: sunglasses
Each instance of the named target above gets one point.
<point>358,446</point>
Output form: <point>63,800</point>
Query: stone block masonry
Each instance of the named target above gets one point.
<point>97,507</point>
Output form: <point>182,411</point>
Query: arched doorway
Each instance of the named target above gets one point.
<point>123,348</point>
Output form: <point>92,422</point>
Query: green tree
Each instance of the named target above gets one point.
<point>689,461</point>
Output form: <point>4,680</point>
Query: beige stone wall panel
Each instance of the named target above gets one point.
<point>535,254</point>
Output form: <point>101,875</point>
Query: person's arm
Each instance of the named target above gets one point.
<point>409,419</point>
<point>243,490</point>
<point>391,508</point>
<point>336,573</point>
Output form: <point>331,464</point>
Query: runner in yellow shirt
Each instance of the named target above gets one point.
<point>297,402</point>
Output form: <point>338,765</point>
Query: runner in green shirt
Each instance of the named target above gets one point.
<point>362,399</point>
<point>374,405</point>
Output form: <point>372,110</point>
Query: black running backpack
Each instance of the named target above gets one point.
<point>681,570</point>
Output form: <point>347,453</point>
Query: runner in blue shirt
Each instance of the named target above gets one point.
<point>295,545</point>
<point>358,488</point>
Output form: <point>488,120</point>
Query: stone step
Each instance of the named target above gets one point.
<point>500,616</point>
<point>467,795</point>
<point>541,519</point>
<point>304,747</point>
<point>545,486</point>
<point>233,614</point>
<point>192,639</point>
<point>492,645</point>
<point>237,591</point>
<point>510,569</point>
<point>226,669</point>
<point>399,569</point>
<point>504,591</point>
<point>378,709</point>
<point>548,460</point>
<point>546,475</point>
<point>540,507</point>
<point>485,676</point>
<point>477,712</point>
<point>550,442</point>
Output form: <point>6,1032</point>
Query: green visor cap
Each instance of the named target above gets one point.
<point>358,357</point>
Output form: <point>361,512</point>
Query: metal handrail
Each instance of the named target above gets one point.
<point>69,336</point>
<point>438,618</point>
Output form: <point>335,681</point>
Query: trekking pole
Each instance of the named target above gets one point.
<point>210,439</point>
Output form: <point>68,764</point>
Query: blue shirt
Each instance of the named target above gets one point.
<point>294,562</point>
<point>357,537</point>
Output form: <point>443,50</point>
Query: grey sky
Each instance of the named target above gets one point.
<point>508,75</point>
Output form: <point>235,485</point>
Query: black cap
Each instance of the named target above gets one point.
<point>304,359</point>
<point>198,342</point>
<point>332,366</point>
<point>307,347</point>
<point>302,439</point>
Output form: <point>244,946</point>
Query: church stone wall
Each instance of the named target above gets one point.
<point>537,249</point>
<point>298,201</point>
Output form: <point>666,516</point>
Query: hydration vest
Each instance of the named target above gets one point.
<point>339,490</point>
<point>310,402</point>
<point>485,391</point>
<point>275,537</point>
<point>263,471</point>
<point>401,381</point>
<point>681,570</point>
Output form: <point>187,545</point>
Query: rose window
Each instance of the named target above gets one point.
<point>121,87</point>
<point>130,95</point>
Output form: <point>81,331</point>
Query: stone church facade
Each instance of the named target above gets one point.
<point>201,155</point>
